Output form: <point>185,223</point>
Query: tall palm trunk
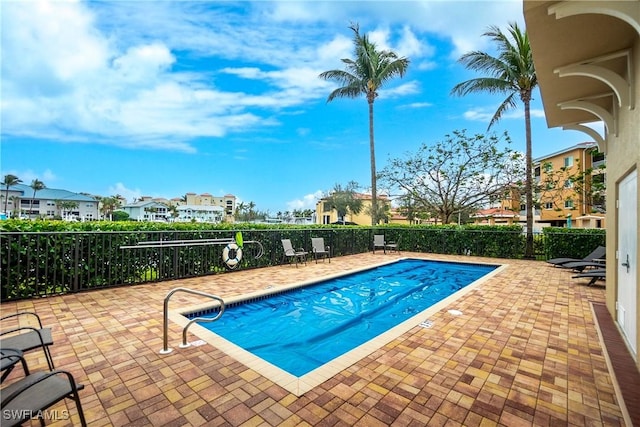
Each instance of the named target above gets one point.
<point>374,195</point>
<point>528,253</point>
<point>6,201</point>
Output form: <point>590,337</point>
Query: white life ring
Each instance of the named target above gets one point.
<point>231,255</point>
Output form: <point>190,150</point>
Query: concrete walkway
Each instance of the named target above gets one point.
<point>524,351</point>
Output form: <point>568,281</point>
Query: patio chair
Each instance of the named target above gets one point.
<point>598,253</point>
<point>9,358</point>
<point>319,249</point>
<point>27,397</point>
<point>27,338</point>
<point>594,275</point>
<point>297,255</point>
<point>380,242</point>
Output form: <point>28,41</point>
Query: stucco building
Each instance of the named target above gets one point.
<point>326,215</point>
<point>562,201</point>
<point>587,58</point>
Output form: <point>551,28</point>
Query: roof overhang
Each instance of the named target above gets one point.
<point>582,54</point>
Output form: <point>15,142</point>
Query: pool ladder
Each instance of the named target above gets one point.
<point>165,339</point>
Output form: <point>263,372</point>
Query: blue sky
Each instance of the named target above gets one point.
<point>163,98</point>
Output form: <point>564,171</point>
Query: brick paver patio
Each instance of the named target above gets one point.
<point>524,351</point>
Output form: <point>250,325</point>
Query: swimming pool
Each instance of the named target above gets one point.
<point>302,329</point>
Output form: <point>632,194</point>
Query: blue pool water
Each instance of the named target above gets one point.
<point>304,328</point>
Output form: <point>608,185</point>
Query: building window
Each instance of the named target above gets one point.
<point>598,178</point>
<point>597,157</point>
<point>568,162</point>
<point>568,204</point>
<point>548,205</point>
<point>568,184</point>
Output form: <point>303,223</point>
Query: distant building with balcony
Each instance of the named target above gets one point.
<point>48,203</point>
<point>200,213</point>
<point>147,209</point>
<point>559,201</point>
<point>226,202</point>
<point>564,202</point>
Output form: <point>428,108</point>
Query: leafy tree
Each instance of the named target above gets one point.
<point>383,213</point>
<point>511,72</point>
<point>455,175</point>
<point>365,75</point>
<point>8,181</point>
<point>344,200</point>
<point>109,204</point>
<point>36,185</point>
<point>119,216</point>
<point>173,211</point>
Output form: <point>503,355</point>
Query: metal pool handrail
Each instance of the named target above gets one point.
<point>165,326</point>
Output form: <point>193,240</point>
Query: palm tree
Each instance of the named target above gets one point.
<point>344,200</point>
<point>37,185</point>
<point>365,75</point>
<point>8,181</point>
<point>511,72</point>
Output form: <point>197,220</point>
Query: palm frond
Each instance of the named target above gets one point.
<point>351,91</point>
<point>483,84</point>
<point>508,104</point>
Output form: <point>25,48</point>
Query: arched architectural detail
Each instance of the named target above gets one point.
<point>627,11</point>
<point>619,85</point>
<point>596,110</point>
<point>597,138</point>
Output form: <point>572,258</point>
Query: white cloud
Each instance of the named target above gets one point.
<point>120,189</point>
<point>26,176</point>
<point>478,115</point>
<point>417,105</point>
<point>308,201</point>
<point>72,71</point>
<point>403,89</point>
<point>141,63</point>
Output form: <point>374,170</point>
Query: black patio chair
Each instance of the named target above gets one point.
<point>27,338</point>
<point>28,397</point>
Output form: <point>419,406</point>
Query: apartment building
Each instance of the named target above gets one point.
<point>48,203</point>
<point>565,183</point>
<point>226,202</point>
<point>147,209</point>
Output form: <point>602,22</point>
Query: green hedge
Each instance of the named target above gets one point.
<point>40,258</point>
<point>572,242</point>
